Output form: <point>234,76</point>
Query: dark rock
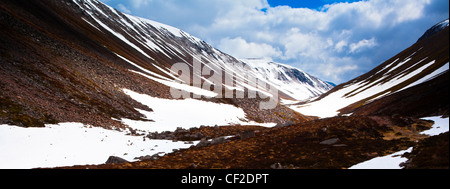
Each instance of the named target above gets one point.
<point>193,166</point>
<point>199,135</point>
<point>203,143</point>
<point>218,140</point>
<point>115,160</point>
<point>287,124</point>
<point>330,141</point>
<point>148,157</point>
<point>181,131</point>
<point>144,158</point>
<point>276,166</point>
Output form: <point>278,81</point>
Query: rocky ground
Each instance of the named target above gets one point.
<point>334,143</point>
<point>431,153</point>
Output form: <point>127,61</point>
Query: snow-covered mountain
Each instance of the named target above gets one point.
<point>289,80</point>
<point>175,45</point>
<point>411,77</point>
<point>83,55</point>
<point>82,64</point>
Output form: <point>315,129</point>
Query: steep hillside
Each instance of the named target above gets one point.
<point>419,66</point>
<point>70,61</point>
<point>53,72</point>
<point>427,99</point>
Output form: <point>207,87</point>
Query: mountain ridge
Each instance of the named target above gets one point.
<point>288,79</point>
<point>435,29</point>
<point>82,54</point>
<point>415,65</point>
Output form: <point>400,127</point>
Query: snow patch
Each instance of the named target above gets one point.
<point>441,125</point>
<point>168,114</point>
<point>69,144</point>
<point>392,161</point>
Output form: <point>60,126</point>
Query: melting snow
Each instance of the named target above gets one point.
<point>393,161</point>
<point>429,76</point>
<point>441,125</point>
<point>69,144</point>
<point>169,114</point>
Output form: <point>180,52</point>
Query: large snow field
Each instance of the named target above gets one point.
<point>69,144</point>
<point>168,114</point>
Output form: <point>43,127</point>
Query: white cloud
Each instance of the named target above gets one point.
<point>240,48</point>
<point>335,71</point>
<point>377,13</point>
<point>363,44</point>
<point>339,47</point>
<point>298,44</point>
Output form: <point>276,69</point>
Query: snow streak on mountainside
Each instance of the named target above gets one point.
<point>159,47</point>
<point>145,35</point>
<point>82,54</point>
<point>74,68</point>
<point>289,80</point>
<point>424,61</point>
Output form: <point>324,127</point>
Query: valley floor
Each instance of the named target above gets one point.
<point>336,143</point>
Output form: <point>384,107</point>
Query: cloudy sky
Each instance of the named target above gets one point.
<point>335,40</point>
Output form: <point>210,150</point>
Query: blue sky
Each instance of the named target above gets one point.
<point>333,40</point>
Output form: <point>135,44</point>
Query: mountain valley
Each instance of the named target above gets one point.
<point>84,82</point>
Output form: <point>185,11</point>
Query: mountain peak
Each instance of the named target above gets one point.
<point>288,79</point>
<point>435,29</point>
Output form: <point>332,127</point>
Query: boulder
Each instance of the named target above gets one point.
<point>115,160</point>
<point>330,141</point>
<point>203,143</point>
<point>276,166</point>
<point>286,124</point>
<point>218,140</point>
